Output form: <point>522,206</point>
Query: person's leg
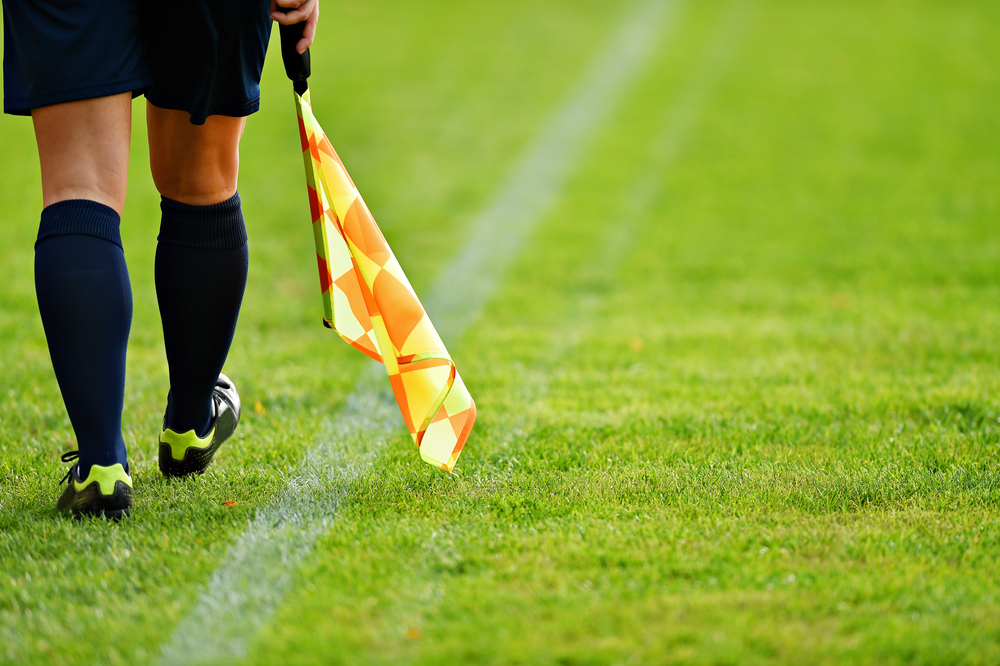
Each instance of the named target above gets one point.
<point>81,280</point>
<point>83,150</point>
<point>201,258</point>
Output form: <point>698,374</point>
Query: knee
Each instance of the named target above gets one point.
<point>194,164</point>
<point>194,182</point>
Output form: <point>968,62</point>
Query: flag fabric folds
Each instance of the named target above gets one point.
<point>370,303</point>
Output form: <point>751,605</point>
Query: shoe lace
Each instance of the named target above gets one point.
<point>67,457</point>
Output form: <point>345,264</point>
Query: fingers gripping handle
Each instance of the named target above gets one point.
<point>296,64</point>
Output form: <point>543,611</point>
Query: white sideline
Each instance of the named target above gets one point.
<point>258,569</point>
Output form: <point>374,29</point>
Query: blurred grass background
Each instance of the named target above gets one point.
<point>738,395</point>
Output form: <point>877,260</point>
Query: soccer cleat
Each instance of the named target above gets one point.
<point>106,492</point>
<point>183,453</point>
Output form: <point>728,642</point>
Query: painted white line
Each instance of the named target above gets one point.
<point>258,569</point>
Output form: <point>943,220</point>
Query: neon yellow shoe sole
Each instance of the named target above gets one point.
<point>106,492</point>
<point>185,453</point>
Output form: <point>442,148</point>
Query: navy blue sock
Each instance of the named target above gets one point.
<point>201,272</point>
<point>85,300</point>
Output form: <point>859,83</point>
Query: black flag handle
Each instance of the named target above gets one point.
<point>296,64</point>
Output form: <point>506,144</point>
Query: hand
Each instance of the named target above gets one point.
<point>298,11</point>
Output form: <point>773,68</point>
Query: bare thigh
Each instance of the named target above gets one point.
<point>83,149</point>
<point>194,164</point>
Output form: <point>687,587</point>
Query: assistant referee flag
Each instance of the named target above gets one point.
<point>368,300</point>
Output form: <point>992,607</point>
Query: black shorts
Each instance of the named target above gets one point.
<point>200,56</point>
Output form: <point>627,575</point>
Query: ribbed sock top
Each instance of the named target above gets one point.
<point>216,227</point>
<point>80,216</point>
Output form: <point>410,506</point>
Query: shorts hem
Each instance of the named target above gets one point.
<point>136,85</point>
<point>198,118</point>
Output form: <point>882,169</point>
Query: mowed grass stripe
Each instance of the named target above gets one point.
<point>636,206</point>
<point>258,569</point>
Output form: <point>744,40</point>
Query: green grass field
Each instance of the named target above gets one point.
<point>738,389</point>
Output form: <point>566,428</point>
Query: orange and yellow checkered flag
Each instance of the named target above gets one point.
<point>370,303</point>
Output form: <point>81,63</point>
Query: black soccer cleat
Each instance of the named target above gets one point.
<point>106,492</point>
<point>186,453</point>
